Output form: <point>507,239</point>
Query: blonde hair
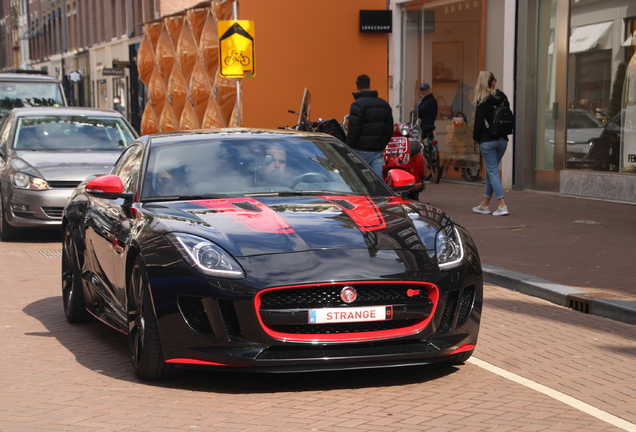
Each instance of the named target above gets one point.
<point>483,87</point>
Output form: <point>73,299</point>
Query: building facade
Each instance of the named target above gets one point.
<point>89,45</point>
<point>568,68</point>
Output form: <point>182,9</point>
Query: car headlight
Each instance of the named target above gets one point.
<point>404,129</point>
<point>206,257</point>
<point>25,181</point>
<point>449,248</point>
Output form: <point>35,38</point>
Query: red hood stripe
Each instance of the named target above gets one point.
<point>261,219</point>
<point>365,213</point>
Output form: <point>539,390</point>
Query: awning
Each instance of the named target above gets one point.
<point>587,37</point>
<point>628,42</point>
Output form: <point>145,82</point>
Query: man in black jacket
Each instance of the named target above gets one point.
<point>370,124</point>
<point>427,107</point>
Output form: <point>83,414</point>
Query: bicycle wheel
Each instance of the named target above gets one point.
<point>229,60</point>
<point>436,171</point>
<point>245,61</point>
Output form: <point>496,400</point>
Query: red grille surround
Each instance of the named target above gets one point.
<point>431,289</point>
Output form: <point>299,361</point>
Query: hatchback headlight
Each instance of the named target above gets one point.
<point>206,257</point>
<point>25,181</point>
<point>449,248</point>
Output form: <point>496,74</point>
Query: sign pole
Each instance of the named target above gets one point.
<point>238,80</point>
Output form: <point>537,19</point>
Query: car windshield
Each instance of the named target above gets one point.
<point>576,120</point>
<point>29,94</point>
<point>257,166</point>
<point>77,133</point>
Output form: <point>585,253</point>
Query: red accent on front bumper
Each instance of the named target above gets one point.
<point>199,362</point>
<point>433,294</point>
<point>463,348</point>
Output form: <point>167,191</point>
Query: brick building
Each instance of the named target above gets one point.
<point>97,38</point>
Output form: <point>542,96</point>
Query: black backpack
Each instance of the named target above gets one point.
<point>503,120</point>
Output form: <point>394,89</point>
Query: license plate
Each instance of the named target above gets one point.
<point>353,314</point>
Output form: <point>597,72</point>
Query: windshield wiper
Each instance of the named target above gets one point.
<point>185,197</point>
<point>301,193</point>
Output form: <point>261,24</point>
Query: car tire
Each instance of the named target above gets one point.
<point>72,289</point>
<point>7,231</point>
<point>143,332</point>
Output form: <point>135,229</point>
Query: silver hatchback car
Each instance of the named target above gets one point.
<point>45,153</point>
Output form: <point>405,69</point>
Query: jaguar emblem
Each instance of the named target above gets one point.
<point>348,294</point>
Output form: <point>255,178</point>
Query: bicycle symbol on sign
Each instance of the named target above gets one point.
<point>236,56</point>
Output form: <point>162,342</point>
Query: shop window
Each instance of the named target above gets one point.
<point>601,87</point>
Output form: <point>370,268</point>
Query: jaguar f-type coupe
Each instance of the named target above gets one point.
<point>267,250</point>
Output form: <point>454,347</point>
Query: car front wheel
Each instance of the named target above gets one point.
<point>72,291</point>
<point>7,232</point>
<point>143,333</point>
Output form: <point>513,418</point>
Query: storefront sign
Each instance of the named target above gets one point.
<point>376,21</point>
<point>113,72</point>
<point>121,64</point>
<point>236,49</point>
<point>429,21</point>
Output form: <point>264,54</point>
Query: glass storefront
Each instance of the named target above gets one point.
<point>577,75</point>
<point>599,135</point>
<point>443,45</point>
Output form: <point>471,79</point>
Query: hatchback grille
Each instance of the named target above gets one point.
<point>63,184</point>
<point>53,212</point>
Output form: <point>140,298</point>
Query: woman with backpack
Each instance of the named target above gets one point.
<point>492,138</point>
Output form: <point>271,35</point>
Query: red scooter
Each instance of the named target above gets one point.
<point>404,152</point>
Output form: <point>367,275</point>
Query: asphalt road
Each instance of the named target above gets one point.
<point>537,367</point>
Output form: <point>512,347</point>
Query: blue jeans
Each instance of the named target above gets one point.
<point>375,159</point>
<point>493,151</point>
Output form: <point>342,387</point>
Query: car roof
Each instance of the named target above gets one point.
<point>231,133</point>
<point>26,77</point>
<point>65,111</point>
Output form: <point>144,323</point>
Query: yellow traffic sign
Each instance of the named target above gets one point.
<point>236,49</point>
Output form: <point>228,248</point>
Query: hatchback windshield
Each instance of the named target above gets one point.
<point>77,133</point>
<point>29,94</point>
<point>276,166</point>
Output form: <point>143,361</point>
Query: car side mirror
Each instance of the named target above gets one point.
<point>400,180</point>
<point>107,187</point>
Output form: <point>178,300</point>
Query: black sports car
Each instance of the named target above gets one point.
<point>267,250</point>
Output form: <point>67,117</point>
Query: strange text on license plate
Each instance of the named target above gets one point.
<point>353,314</point>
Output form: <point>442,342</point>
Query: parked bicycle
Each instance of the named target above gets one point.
<point>431,155</point>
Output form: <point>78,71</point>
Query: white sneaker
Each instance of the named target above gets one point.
<point>481,209</point>
<point>501,211</point>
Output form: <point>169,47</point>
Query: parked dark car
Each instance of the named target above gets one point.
<point>267,250</point>
<point>19,90</point>
<point>45,153</point>
<point>604,154</point>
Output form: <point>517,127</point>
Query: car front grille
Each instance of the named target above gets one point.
<point>63,184</point>
<point>53,212</point>
<point>285,311</point>
<point>329,296</point>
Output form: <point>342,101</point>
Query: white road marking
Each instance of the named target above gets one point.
<point>561,397</point>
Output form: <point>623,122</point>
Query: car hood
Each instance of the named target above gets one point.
<point>66,165</point>
<point>583,135</point>
<point>248,226</point>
